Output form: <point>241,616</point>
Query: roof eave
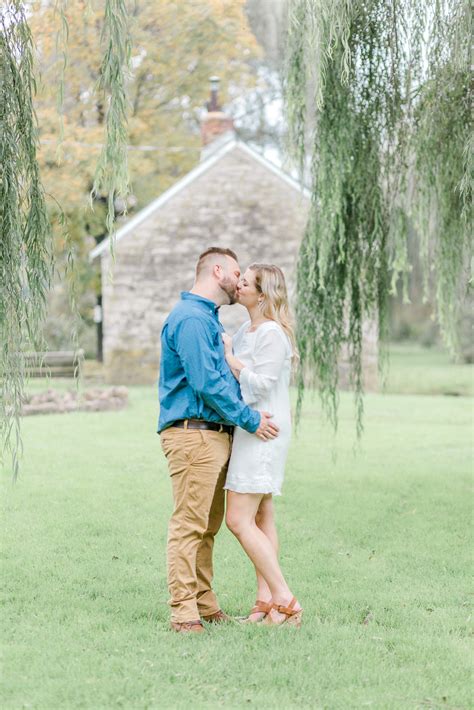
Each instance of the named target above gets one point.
<point>162,199</point>
<point>189,178</point>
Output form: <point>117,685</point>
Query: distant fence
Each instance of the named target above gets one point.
<point>61,363</point>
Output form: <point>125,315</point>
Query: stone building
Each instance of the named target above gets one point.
<point>233,198</point>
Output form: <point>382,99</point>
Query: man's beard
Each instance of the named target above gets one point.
<point>230,289</point>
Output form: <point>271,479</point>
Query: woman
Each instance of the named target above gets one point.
<point>260,356</point>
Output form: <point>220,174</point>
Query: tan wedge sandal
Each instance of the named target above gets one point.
<point>260,606</point>
<point>292,616</point>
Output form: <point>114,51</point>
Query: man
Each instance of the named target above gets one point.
<point>200,402</point>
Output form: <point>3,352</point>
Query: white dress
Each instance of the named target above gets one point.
<point>258,466</point>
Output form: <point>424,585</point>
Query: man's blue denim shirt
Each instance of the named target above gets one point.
<point>195,379</point>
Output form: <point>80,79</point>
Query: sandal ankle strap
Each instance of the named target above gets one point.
<point>264,607</point>
<point>287,610</point>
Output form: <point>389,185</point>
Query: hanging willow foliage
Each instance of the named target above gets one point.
<point>26,256</point>
<point>26,262</point>
<point>112,177</point>
<point>384,86</point>
<point>443,146</point>
<point>62,38</point>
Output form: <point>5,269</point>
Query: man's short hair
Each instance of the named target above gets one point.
<point>213,250</point>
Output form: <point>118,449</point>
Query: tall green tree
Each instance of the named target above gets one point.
<point>385,87</point>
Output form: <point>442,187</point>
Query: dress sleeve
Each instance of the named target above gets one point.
<point>271,351</point>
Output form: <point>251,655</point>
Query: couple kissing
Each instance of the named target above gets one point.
<point>225,428</point>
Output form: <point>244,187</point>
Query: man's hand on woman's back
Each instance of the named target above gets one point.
<point>266,429</point>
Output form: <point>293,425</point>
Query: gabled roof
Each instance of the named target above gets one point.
<point>221,149</point>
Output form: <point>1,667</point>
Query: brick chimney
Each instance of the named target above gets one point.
<point>215,123</point>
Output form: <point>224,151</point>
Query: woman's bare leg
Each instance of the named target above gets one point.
<point>241,520</point>
<point>266,522</point>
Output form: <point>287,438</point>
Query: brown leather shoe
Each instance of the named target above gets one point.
<point>186,627</point>
<point>219,617</point>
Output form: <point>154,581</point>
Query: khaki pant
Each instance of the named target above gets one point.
<point>197,462</point>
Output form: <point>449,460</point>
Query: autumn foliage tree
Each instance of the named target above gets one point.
<point>175,47</point>
<point>88,83</point>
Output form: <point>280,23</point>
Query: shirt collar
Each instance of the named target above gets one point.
<point>205,302</point>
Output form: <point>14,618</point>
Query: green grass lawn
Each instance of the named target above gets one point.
<point>417,370</point>
<point>380,537</point>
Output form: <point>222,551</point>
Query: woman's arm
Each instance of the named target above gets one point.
<point>271,351</point>
<point>270,354</point>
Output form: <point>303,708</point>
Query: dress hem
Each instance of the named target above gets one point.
<point>263,492</point>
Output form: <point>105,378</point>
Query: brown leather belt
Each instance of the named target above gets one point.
<point>200,424</point>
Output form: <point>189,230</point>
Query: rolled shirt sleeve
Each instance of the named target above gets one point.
<point>202,371</point>
<point>271,350</point>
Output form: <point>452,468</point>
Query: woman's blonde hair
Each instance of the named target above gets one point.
<point>270,282</point>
